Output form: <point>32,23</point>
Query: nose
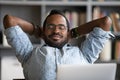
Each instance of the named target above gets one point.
<point>56,29</point>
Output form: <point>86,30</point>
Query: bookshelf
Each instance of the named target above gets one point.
<point>36,10</point>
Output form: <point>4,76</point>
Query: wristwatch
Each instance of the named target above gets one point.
<point>74,33</point>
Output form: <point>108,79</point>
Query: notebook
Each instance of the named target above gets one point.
<point>103,71</point>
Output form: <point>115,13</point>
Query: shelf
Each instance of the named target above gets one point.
<point>77,3</point>
<point>69,3</point>
<point>4,47</point>
<point>110,3</point>
<point>111,61</point>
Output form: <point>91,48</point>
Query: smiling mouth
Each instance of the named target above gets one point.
<point>56,37</point>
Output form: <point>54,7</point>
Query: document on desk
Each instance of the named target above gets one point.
<point>11,68</point>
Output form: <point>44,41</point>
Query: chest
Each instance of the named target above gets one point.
<point>63,56</point>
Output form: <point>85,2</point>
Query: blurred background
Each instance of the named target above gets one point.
<point>77,11</point>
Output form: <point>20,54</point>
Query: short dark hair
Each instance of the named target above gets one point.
<point>53,12</point>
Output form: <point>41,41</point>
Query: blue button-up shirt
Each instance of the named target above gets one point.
<point>40,63</point>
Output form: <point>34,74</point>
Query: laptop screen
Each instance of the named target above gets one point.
<point>103,71</point>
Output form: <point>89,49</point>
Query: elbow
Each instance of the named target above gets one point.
<point>107,22</point>
<point>8,21</point>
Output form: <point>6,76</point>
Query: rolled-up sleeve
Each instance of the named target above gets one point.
<point>94,43</point>
<point>20,42</point>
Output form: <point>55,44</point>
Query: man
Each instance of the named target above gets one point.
<point>40,63</point>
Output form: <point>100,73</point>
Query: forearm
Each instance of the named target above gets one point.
<point>103,23</point>
<point>11,21</point>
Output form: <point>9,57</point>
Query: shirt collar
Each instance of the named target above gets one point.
<point>42,43</point>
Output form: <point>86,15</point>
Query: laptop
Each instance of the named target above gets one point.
<point>101,71</point>
<point>11,68</point>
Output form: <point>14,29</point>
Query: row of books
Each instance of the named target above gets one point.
<point>111,50</point>
<point>115,16</point>
<point>75,18</point>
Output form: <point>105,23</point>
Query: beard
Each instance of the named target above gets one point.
<point>55,43</point>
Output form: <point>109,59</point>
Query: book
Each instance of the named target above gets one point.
<point>116,21</point>
<point>98,13</point>
<point>5,42</point>
<point>82,18</point>
<point>68,15</point>
<point>74,18</point>
<point>117,50</point>
<point>106,54</point>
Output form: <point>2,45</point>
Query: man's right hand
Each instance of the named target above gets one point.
<point>27,27</point>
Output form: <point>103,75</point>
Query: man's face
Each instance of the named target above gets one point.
<point>56,31</point>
